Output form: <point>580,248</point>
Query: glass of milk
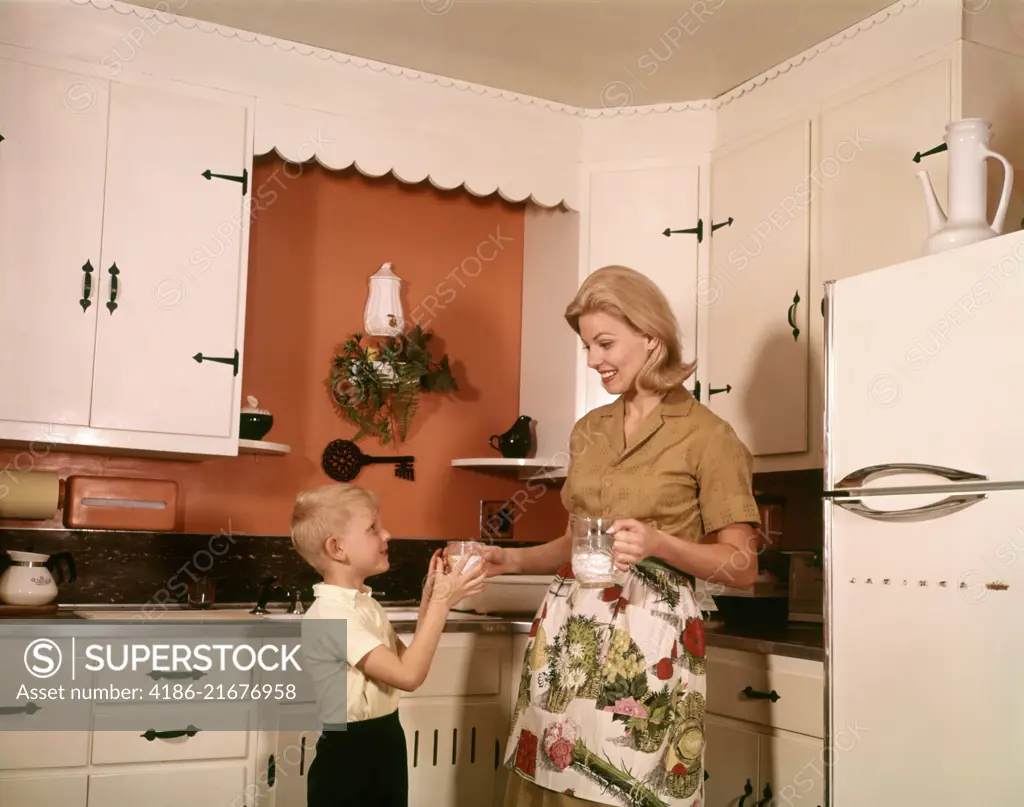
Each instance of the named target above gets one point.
<point>592,552</point>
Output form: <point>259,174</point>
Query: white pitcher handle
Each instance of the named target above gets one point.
<point>1004,200</point>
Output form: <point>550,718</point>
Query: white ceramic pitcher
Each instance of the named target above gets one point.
<point>967,142</point>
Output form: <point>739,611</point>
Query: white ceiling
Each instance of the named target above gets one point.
<point>588,53</point>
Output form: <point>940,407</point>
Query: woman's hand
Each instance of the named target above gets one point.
<point>499,560</point>
<point>634,541</point>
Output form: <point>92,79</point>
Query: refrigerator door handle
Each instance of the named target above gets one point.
<point>859,477</point>
<point>951,504</point>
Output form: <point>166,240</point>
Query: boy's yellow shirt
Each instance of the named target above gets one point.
<point>343,693</point>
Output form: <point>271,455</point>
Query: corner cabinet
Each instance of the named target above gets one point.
<point>638,218</point>
<point>628,211</point>
<point>124,207</point>
<point>757,291</point>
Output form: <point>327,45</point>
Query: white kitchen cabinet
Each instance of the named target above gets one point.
<point>52,166</point>
<point>871,208</point>
<point>123,274</point>
<point>629,211</point>
<point>44,791</point>
<point>792,768</point>
<point>730,761</point>
<point>765,729</point>
<point>175,241</point>
<point>222,785</point>
<point>756,299</point>
<point>866,207</point>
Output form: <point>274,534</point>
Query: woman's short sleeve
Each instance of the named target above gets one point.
<point>724,479</point>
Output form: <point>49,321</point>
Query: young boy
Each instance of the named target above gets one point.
<point>361,757</point>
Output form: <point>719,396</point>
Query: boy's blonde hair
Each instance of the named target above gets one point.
<point>635,299</point>
<point>325,511</point>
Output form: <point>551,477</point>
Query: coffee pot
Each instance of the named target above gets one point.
<point>31,578</point>
<point>517,442</point>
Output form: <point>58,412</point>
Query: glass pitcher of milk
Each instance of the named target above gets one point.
<point>592,562</point>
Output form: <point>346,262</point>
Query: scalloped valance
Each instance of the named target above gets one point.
<point>380,146</point>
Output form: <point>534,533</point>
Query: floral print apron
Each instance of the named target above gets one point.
<point>612,696</point>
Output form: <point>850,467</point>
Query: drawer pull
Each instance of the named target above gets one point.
<point>271,771</point>
<point>748,790</point>
<point>302,756</point>
<point>153,734</point>
<point>158,674</point>
<point>750,692</point>
<point>28,708</point>
<point>767,796</point>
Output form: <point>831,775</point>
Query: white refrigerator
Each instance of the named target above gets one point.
<point>924,531</point>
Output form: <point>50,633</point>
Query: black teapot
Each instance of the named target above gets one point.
<point>517,442</point>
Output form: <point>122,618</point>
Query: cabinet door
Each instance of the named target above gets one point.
<point>283,767</point>
<point>629,210</point>
<point>172,257</point>
<point>792,770</point>
<point>44,791</point>
<point>872,210</point>
<point>52,155</point>
<point>455,748</point>
<point>167,785</point>
<point>756,297</point>
<point>730,760</point>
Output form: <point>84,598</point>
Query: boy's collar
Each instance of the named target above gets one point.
<point>334,592</point>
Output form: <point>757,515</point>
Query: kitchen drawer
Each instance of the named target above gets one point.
<point>208,742</point>
<point>735,678</point>
<point>220,786</point>
<point>464,664</point>
<point>166,675</point>
<point>44,791</point>
<point>21,750</point>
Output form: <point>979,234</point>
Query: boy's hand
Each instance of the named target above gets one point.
<point>436,566</point>
<point>466,579</point>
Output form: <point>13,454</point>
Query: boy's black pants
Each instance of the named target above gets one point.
<point>363,766</point>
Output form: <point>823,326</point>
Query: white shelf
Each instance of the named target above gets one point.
<point>262,447</point>
<point>528,470</point>
<point>531,463</point>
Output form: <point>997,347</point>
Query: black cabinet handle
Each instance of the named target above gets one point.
<point>85,302</point>
<point>726,389</point>
<point>158,674</point>
<point>302,755</point>
<point>767,796</point>
<point>750,692</point>
<point>271,771</point>
<point>748,790</point>
<point>114,272</point>
<point>153,734</point>
<point>200,358</point>
<point>792,313</point>
<point>28,709</point>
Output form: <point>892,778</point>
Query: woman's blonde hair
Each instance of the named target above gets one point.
<point>635,299</point>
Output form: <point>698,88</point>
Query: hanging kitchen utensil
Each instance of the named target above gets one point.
<point>343,460</point>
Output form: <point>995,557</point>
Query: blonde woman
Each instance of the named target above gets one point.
<point>611,702</point>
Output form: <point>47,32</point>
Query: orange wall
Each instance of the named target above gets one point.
<point>316,237</point>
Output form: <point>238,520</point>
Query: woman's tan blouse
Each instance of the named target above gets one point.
<point>686,472</point>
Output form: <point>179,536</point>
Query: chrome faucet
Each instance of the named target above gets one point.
<point>269,591</point>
